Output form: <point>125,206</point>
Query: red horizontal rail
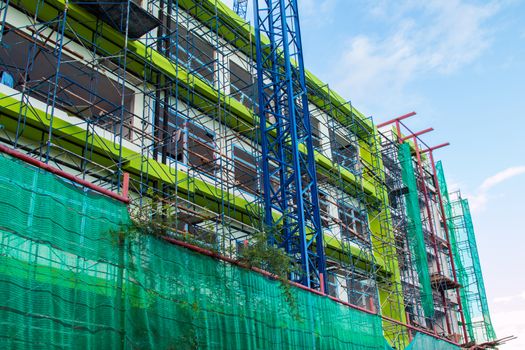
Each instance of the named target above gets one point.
<point>298,285</point>
<point>416,134</point>
<point>431,149</point>
<point>404,116</point>
<point>63,174</point>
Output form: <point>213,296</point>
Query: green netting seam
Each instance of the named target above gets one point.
<point>415,230</point>
<point>477,270</point>
<point>456,219</point>
<point>453,237</point>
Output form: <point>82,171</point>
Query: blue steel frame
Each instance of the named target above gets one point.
<point>286,140</point>
<point>240,7</point>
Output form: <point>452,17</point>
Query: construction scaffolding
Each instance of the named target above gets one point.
<point>291,204</point>
<point>464,247</point>
<point>164,98</point>
<point>405,290</point>
<point>351,264</point>
<point>415,235</point>
<point>429,283</point>
<point>173,109</point>
<point>155,108</point>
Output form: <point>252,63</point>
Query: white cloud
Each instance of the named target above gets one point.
<point>316,12</point>
<point>479,200</point>
<point>509,323</point>
<point>502,176</point>
<point>508,318</point>
<point>447,36</point>
<point>510,298</point>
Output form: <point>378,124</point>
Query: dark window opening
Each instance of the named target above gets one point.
<point>345,153</point>
<point>187,142</point>
<point>316,134</point>
<point>354,224</point>
<point>81,90</point>
<point>201,148</point>
<point>333,289</point>
<point>361,292</point>
<point>242,85</point>
<point>115,13</point>
<point>173,138</point>
<point>245,170</point>
<point>193,52</point>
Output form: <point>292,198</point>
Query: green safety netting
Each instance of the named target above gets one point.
<point>72,275</point>
<point>416,238</point>
<point>468,268</point>
<point>460,270</point>
<point>425,342</point>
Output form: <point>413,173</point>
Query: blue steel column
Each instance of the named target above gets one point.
<point>290,192</point>
<point>240,7</point>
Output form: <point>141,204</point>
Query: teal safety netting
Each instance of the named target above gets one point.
<point>468,267</point>
<point>73,275</point>
<point>425,342</point>
<point>416,238</point>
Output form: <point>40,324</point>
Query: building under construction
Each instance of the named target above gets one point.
<point>158,156</point>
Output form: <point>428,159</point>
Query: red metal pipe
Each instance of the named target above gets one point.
<point>445,227</point>
<point>414,135</point>
<point>407,316</point>
<point>398,130</point>
<point>430,149</point>
<point>125,185</point>
<point>62,173</point>
<point>404,116</point>
<point>429,214</point>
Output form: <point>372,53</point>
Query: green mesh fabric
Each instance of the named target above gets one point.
<point>466,258</point>
<point>68,281</point>
<point>424,342</point>
<point>416,239</point>
<point>481,322</point>
<point>460,270</point>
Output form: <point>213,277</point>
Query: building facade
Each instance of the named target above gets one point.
<point>161,96</point>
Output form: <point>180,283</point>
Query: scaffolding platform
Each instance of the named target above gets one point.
<point>114,13</point>
<point>442,282</point>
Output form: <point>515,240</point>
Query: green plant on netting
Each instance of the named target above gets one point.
<point>258,253</point>
<point>125,233</point>
<point>156,219</point>
<point>261,254</point>
<point>161,220</point>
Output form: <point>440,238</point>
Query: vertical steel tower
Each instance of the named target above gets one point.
<point>240,7</point>
<point>290,190</point>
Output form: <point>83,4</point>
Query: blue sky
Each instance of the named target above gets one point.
<point>461,66</point>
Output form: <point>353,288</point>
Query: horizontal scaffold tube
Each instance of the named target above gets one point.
<point>112,41</point>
